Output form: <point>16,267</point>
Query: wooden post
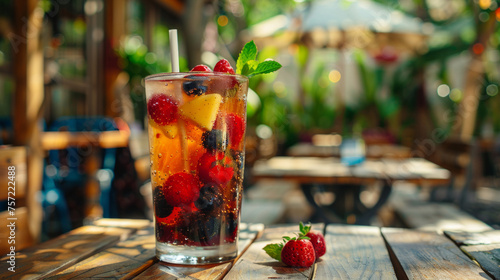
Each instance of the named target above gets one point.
<point>466,119</point>
<point>114,23</point>
<point>28,99</point>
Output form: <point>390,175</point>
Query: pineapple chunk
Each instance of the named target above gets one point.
<point>202,110</point>
<point>170,130</point>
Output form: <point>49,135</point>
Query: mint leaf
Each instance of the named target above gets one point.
<point>274,251</point>
<point>265,67</point>
<point>248,53</point>
<point>249,67</point>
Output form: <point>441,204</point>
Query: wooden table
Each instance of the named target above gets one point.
<point>372,151</point>
<point>125,249</point>
<point>328,174</point>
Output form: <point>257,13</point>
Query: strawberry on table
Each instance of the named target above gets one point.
<point>318,242</point>
<point>301,251</point>
<point>317,239</point>
<point>298,253</point>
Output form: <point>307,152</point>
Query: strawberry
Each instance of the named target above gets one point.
<point>206,162</point>
<point>298,253</point>
<point>181,189</point>
<point>220,174</point>
<point>224,67</point>
<point>163,109</point>
<point>211,168</point>
<point>201,68</point>
<point>318,242</point>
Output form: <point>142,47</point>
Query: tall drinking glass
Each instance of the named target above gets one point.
<point>196,125</point>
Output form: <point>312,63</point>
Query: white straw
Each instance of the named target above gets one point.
<point>174,54</point>
<point>174,50</point>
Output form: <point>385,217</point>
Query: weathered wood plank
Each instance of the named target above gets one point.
<point>248,232</point>
<point>354,252</point>
<point>438,217</point>
<point>256,264</point>
<point>474,238</point>
<point>488,257</point>
<point>483,247</point>
<point>124,223</point>
<point>54,255</point>
<point>123,260</point>
<point>429,255</point>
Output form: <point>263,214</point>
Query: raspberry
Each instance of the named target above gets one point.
<point>201,68</point>
<point>235,129</point>
<point>162,208</point>
<point>163,109</point>
<point>224,67</point>
<point>181,189</point>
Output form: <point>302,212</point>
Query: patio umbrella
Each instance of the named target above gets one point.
<point>382,31</point>
<point>360,24</point>
<point>344,24</point>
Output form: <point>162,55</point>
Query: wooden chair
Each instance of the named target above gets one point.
<point>13,190</point>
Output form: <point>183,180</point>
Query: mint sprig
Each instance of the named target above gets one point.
<point>247,65</point>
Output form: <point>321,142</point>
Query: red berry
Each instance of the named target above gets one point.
<point>211,168</point>
<point>235,129</point>
<point>220,174</point>
<point>181,189</point>
<point>206,162</point>
<point>224,67</point>
<point>298,253</point>
<point>163,109</point>
<point>318,242</point>
<point>201,68</point>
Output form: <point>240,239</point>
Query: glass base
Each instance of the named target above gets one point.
<point>193,255</point>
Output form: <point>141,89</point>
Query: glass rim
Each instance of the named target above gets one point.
<point>183,75</point>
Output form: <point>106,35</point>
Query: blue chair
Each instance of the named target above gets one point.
<point>65,166</point>
<point>6,130</point>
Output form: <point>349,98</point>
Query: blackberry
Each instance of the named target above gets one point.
<point>210,198</point>
<point>162,208</point>
<point>194,87</point>
<point>160,232</point>
<point>205,229</point>
<point>214,140</point>
<point>231,226</point>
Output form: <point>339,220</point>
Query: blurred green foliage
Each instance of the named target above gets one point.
<point>388,98</point>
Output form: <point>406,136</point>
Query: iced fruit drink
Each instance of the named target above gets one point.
<point>196,126</point>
